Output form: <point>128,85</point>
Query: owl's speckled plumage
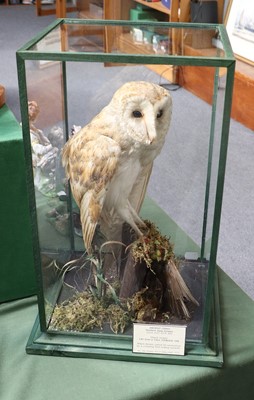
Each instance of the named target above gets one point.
<point>109,161</point>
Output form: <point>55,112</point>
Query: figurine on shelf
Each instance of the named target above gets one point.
<point>43,155</point>
<point>55,137</point>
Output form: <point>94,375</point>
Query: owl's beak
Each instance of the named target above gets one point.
<point>151,134</point>
<point>149,125</point>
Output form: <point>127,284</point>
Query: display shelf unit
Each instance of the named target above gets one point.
<point>120,10</point>
<point>115,9</point>
<point>111,8</point>
<point>156,6</point>
<point>59,9</point>
<point>193,81</point>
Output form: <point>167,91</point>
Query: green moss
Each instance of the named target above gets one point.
<point>84,312</point>
<point>153,248</point>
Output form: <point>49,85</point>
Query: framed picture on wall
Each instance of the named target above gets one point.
<point>239,21</point>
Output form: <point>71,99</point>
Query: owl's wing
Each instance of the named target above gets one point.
<point>90,167</point>
<point>138,192</point>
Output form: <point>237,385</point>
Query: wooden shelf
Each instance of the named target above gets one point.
<point>119,9</point>
<point>59,9</point>
<point>243,107</point>
<point>86,14</point>
<point>156,6</point>
<point>193,78</point>
<point>2,96</point>
<point>126,44</point>
<point>83,7</point>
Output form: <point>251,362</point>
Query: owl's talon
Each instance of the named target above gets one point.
<point>141,229</point>
<point>145,231</point>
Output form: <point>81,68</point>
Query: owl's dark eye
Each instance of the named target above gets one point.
<point>160,113</point>
<point>137,114</point>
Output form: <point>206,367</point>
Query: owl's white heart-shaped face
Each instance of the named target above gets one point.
<point>143,111</point>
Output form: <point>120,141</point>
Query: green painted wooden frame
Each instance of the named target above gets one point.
<point>209,352</point>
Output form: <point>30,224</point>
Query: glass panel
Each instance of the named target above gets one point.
<point>106,283</point>
<point>175,195</point>
<point>52,42</point>
<point>213,159</point>
<point>47,136</point>
<point>138,39</point>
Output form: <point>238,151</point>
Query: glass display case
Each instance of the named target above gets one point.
<point>125,199</point>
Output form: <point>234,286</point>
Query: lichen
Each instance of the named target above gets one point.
<point>153,247</point>
<point>84,312</point>
<point>119,318</point>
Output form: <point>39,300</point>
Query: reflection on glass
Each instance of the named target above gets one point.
<point>138,39</point>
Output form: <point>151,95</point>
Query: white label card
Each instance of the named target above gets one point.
<point>159,339</point>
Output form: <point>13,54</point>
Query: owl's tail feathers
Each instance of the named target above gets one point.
<point>89,215</point>
<point>179,291</point>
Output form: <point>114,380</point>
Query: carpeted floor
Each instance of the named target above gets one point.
<point>182,154</point>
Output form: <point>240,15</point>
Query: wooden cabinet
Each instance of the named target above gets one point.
<point>120,9</point>
<point>166,14</point>
<point>91,9</point>
<point>59,10</point>
<point>2,96</point>
<point>101,9</point>
<point>243,105</point>
<point>199,81</point>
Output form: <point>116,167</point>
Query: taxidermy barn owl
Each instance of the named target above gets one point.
<point>109,161</point>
